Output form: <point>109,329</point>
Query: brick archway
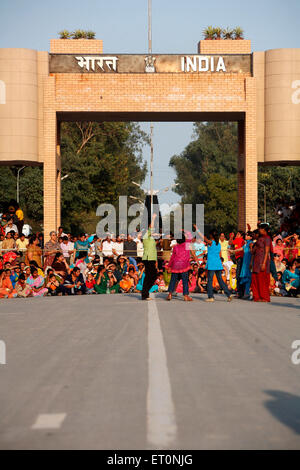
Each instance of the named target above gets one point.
<point>224,81</point>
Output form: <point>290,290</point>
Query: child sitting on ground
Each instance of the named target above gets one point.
<point>90,283</point>
<point>127,284</point>
<point>160,282</point>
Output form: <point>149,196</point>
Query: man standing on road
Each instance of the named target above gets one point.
<point>149,260</point>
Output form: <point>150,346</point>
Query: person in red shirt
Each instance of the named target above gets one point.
<point>261,266</point>
<point>238,242</point>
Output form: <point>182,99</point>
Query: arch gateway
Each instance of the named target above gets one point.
<point>223,81</point>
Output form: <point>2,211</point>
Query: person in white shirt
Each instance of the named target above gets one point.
<point>140,246</point>
<point>118,247</point>
<point>22,243</point>
<point>107,247</point>
<point>67,249</point>
<point>10,226</point>
<point>227,266</point>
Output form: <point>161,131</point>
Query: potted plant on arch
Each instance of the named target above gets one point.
<point>218,33</point>
<point>209,33</point>
<point>227,33</point>
<point>65,34</point>
<point>238,33</point>
<point>90,35</point>
<point>79,34</point>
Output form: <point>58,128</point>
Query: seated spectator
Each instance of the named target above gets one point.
<point>35,265</point>
<point>14,277</point>
<point>133,275</point>
<point>60,265</point>
<point>10,226</point>
<point>27,272</point>
<point>291,279</point>
<point>36,282</point>
<point>279,249</point>
<point>167,274</point>
<point>106,282</point>
<point>74,283</point>
<point>90,283</point>
<point>34,252</point>
<point>67,248</point>
<point>122,265</point>
<point>22,288</point>
<point>279,266</point>
<point>127,284</point>
<point>8,243</point>
<point>160,282</point>
<point>291,251</point>
<point>141,278</point>
<point>81,263</point>
<point>107,247</point>
<point>6,288</point>
<point>233,278</point>
<point>113,267</point>
<point>278,288</point>
<point>10,257</point>
<point>54,286</point>
<point>22,244</point>
<point>201,281</point>
<point>81,245</point>
<point>118,247</point>
<point>130,250</point>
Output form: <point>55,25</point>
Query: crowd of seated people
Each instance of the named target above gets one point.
<point>84,265</point>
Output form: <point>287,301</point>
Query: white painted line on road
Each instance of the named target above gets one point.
<point>49,421</point>
<point>161,421</point>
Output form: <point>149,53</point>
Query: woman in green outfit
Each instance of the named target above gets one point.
<point>106,282</point>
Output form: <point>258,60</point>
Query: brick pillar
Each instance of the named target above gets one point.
<point>241,175</point>
<point>58,181</point>
<point>49,158</point>
<point>251,193</point>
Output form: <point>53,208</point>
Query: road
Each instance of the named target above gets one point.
<point>112,372</point>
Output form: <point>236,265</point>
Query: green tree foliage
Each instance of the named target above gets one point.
<point>101,159</point>
<point>282,185</point>
<point>206,173</point>
<point>8,184</point>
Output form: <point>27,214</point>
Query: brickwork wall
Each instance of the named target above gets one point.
<point>251,193</point>
<point>142,93</point>
<point>150,92</point>
<point>76,46</point>
<point>225,46</point>
<point>49,158</point>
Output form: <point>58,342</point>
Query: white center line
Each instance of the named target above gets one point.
<point>49,421</point>
<point>161,421</point>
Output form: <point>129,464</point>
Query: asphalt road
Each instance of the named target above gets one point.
<point>112,372</point>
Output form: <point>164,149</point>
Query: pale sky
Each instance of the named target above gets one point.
<point>177,28</point>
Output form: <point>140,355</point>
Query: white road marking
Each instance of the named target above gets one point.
<point>161,421</point>
<point>49,421</point>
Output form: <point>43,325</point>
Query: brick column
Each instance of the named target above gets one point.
<point>49,158</point>
<point>251,193</point>
<point>241,175</point>
<point>58,181</point>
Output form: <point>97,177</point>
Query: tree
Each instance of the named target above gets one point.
<point>206,173</point>
<point>282,184</point>
<point>101,160</point>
